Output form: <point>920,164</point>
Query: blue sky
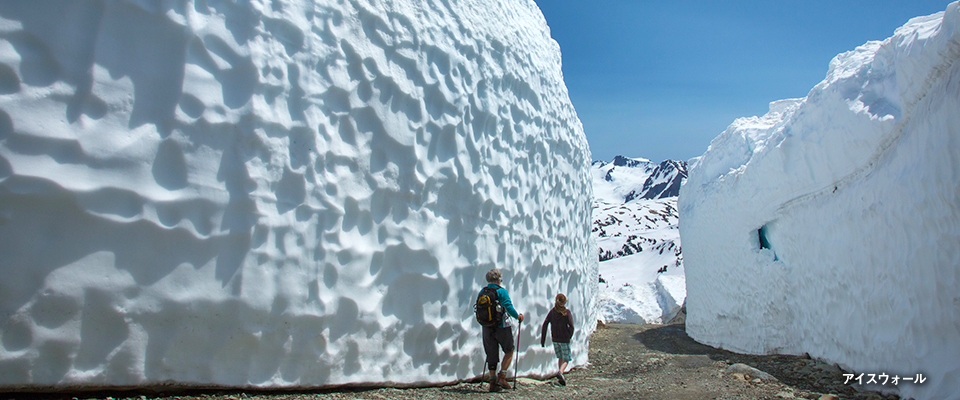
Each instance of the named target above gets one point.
<point>661,79</point>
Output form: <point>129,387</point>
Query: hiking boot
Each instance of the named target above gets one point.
<point>563,382</point>
<point>494,386</point>
<point>502,380</point>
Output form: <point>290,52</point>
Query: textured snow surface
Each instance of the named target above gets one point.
<point>640,261</point>
<point>282,193</point>
<point>831,225</point>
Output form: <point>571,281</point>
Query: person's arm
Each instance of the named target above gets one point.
<point>570,322</point>
<point>506,303</point>
<point>543,330</point>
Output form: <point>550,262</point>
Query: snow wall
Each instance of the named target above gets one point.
<point>210,193</point>
<point>831,225</point>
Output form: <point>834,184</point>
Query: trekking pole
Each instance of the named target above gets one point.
<point>482,368</point>
<point>516,353</point>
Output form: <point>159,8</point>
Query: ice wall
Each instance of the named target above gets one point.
<point>281,193</point>
<point>831,225</point>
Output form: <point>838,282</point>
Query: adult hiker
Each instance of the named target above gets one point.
<point>498,334</point>
<point>561,330</point>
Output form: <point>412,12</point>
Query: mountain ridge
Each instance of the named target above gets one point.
<point>638,178</point>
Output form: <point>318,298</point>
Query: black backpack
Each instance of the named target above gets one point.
<point>488,309</point>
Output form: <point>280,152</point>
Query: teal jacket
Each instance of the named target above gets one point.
<point>505,302</point>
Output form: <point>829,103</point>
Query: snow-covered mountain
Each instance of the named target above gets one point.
<point>635,223</point>
<point>625,179</point>
<point>663,182</point>
<point>292,193</point>
<point>831,225</point>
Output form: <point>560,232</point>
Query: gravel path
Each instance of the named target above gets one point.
<point>627,361</point>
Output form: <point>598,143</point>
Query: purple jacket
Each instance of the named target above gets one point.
<point>562,327</point>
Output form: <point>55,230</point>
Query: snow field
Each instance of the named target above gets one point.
<point>281,194</point>
<point>830,225</point>
<point>642,269</point>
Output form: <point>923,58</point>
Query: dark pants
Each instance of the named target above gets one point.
<point>493,340</point>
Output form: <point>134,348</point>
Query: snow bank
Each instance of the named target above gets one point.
<point>637,300</point>
<point>831,224</point>
<point>281,193</point>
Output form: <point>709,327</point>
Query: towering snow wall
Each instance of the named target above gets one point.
<point>831,225</point>
<point>281,193</point>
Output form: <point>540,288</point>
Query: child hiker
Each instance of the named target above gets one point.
<point>561,331</point>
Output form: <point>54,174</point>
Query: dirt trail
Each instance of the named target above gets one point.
<point>627,361</point>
